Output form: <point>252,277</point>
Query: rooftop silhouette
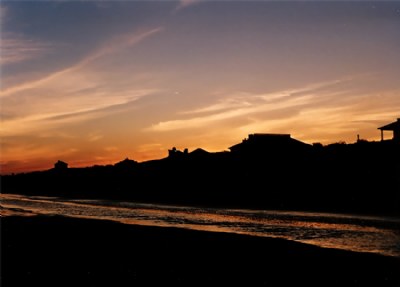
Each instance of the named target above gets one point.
<point>395,127</point>
<point>60,165</point>
<point>268,142</point>
<point>263,171</point>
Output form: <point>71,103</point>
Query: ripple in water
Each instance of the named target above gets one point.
<point>349,232</point>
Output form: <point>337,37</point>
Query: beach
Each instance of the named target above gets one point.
<point>61,251</point>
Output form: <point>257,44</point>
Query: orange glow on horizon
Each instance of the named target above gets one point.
<point>200,74</point>
<point>110,156</point>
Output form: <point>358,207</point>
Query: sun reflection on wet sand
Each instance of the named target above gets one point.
<point>349,232</point>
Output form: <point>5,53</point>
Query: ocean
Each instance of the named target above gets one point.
<point>352,232</point>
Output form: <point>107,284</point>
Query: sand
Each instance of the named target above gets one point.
<point>59,251</point>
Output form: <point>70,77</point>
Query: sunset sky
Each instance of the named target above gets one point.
<point>96,82</point>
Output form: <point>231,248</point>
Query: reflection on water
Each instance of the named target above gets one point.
<point>349,232</point>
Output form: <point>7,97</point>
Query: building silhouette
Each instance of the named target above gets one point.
<point>60,165</point>
<point>175,153</point>
<point>261,143</point>
<point>395,127</point>
<point>126,164</point>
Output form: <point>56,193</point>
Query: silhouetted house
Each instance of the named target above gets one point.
<point>60,165</point>
<point>176,153</point>
<point>395,127</point>
<point>126,164</point>
<point>199,153</point>
<point>269,143</point>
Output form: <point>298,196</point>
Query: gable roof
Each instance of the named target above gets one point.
<point>199,151</point>
<point>268,140</point>
<point>392,126</point>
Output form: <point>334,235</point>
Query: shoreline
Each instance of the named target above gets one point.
<point>385,242</point>
<point>389,216</point>
<point>88,252</point>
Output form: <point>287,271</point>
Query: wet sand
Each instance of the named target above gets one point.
<point>59,251</point>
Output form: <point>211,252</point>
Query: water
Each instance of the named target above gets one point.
<point>349,232</point>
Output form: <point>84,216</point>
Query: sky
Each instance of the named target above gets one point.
<point>94,82</point>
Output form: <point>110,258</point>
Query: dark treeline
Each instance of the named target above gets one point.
<point>274,172</point>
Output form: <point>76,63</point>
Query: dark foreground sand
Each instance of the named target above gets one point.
<point>57,251</point>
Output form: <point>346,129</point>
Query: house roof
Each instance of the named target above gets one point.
<point>235,146</point>
<point>264,135</point>
<point>392,126</point>
<point>268,140</point>
<point>199,151</point>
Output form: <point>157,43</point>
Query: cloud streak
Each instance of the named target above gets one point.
<point>74,94</point>
<point>336,107</point>
<point>16,48</point>
<point>3,13</point>
<point>50,112</point>
<point>114,45</point>
<point>186,3</point>
<point>241,105</point>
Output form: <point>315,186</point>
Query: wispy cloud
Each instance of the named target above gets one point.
<point>74,94</point>
<point>240,105</point>
<point>112,46</point>
<point>239,100</point>
<point>118,43</point>
<point>247,100</point>
<point>51,112</point>
<point>186,3</point>
<point>17,48</point>
<point>295,110</point>
<point>94,136</point>
<point>3,12</point>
